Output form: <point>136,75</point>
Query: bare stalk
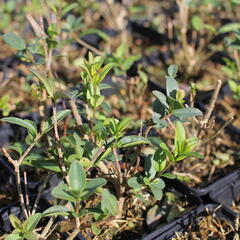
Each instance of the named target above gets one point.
<point>206,118</point>
<point>40,193</point>
<point>47,228</point>
<point>51,230</point>
<point>88,46</point>
<point>26,192</point>
<point>118,166</point>
<point>183,12</point>
<point>236,57</point>
<point>59,150</point>
<point>121,202</point>
<point>76,230</point>
<point>148,130</point>
<point>219,130</point>
<point>121,190</point>
<point>75,112</point>
<point>20,192</point>
<point>17,164</point>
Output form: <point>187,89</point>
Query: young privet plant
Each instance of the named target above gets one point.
<point>122,59</point>
<point>156,165</point>
<point>171,105</point>
<point>51,157</point>
<point>96,142</point>
<point>98,145</point>
<point>97,139</point>
<point>166,107</point>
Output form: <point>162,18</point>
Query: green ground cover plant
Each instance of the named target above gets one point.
<point>109,152</point>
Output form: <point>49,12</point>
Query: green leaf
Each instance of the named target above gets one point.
<point>30,138</point>
<point>18,147</point>
<point>159,160</point>
<point>233,85</point>
<point>105,71</point>
<point>47,126</point>
<point>96,230</point>
<point>159,108</point>
<point>100,33</point>
<point>143,76</point>
<point>190,154</point>
<point>103,86</point>
<point>40,162</point>
<point>30,236</point>
<point>135,182</point>
<point>30,125</point>
<point>121,50</point>
<point>106,107</point>
<point>96,100</point>
<point>174,103</point>
<point>109,203</point>
<point>169,175</point>
<point>69,7</point>
<point>187,112</point>
<point>197,23</point>
<point>95,183</point>
<point>133,140</point>
<point>93,211</point>
<point>171,87</point>
<point>160,124</point>
<point>149,168</point>
<point>161,97</point>
<point>16,223</point>
<point>156,187</point>
<point>56,210</point>
<point>210,28</point>
<point>14,41</point>
<point>159,143</point>
<point>229,27</point>
<point>62,94</point>
<point>157,119</point>
<point>92,186</point>
<point>126,63</point>
<point>77,176</point>
<point>13,236</point>
<point>32,222</point>
<point>180,136</point>
<point>190,144</point>
<point>62,191</point>
<point>124,124</point>
<point>48,83</point>
<point>172,71</point>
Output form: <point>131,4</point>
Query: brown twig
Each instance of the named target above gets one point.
<point>47,228</point>
<point>88,46</point>
<point>76,230</point>
<point>17,164</point>
<point>59,150</point>
<point>75,112</point>
<point>40,193</point>
<point>206,117</point>
<point>218,131</point>
<point>148,130</point>
<point>118,168</point>
<point>26,192</point>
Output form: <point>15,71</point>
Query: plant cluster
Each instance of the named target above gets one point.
<point>105,152</point>
<point>95,142</point>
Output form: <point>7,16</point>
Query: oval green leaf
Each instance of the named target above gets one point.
<point>77,176</point>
